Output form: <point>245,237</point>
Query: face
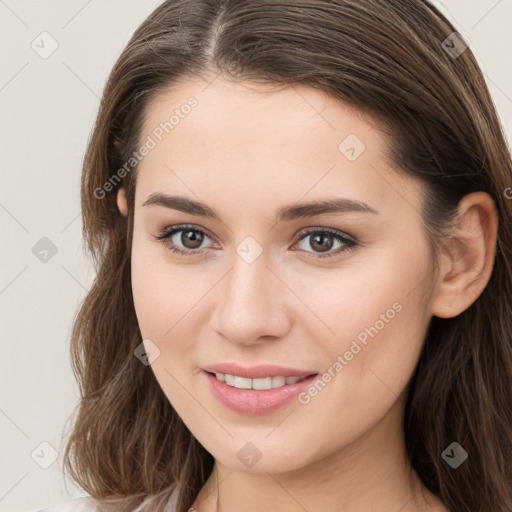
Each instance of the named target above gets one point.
<point>340,293</point>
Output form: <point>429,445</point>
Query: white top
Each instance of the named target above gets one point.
<point>84,504</point>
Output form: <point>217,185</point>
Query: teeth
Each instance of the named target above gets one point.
<point>243,383</point>
<point>278,382</point>
<point>261,384</point>
<point>258,384</point>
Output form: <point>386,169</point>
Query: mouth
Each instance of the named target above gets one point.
<point>259,384</point>
<point>256,396</point>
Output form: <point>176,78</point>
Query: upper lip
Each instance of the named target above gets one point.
<point>257,372</point>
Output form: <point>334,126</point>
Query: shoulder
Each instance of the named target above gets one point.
<point>82,504</point>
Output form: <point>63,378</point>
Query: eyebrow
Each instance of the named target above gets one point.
<point>287,213</point>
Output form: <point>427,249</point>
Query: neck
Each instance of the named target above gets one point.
<point>371,473</point>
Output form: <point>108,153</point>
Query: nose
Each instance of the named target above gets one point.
<point>252,303</point>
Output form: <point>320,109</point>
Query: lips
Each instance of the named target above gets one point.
<point>254,402</point>
<point>258,372</point>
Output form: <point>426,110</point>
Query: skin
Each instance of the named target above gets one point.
<point>246,151</point>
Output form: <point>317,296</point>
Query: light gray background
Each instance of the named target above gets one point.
<point>48,108</point>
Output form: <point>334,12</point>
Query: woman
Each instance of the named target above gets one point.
<point>300,217</point>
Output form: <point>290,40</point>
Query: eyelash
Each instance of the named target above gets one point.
<point>164,235</point>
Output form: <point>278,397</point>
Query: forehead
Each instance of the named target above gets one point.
<point>246,109</point>
<point>263,140</point>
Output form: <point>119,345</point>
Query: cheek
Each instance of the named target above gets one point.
<point>363,292</point>
<point>164,299</point>
<point>161,290</point>
<point>169,301</point>
<point>370,365</point>
<point>379,319</point>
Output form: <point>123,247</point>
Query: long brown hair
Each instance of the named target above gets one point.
<point>391,59</point>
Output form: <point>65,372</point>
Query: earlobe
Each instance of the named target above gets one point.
<point>121,201</point>
<point>468,257</point>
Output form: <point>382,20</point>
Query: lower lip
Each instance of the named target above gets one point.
<point>254,402</point>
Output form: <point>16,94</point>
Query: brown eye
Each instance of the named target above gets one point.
<point>184,240</point>
<point>191,239</point>
<point>322,241</point>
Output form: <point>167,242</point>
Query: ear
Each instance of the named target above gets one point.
<point>122,204</point>
<point>467,259</point>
